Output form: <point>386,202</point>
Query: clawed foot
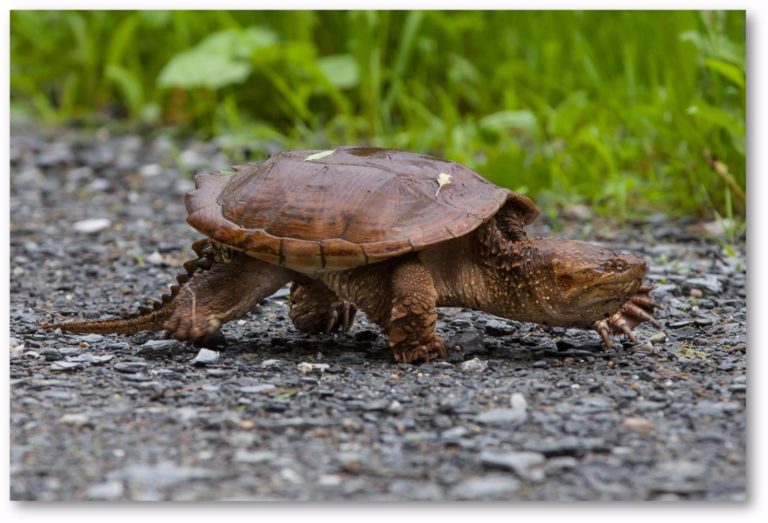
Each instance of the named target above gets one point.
<point>638,309</point>
<point>341,318</point>
<point>422,352</point>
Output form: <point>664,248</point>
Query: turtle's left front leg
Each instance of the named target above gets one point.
<point>638,309</point>
<point>413,317</point>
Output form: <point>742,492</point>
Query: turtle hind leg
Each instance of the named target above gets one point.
<point>316,308</point>
<point>225,292</point>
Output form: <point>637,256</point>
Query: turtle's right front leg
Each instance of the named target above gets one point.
<point>316,308</point>
<point>226,292</point>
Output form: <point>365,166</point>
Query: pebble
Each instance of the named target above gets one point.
<point>659,338</point>
<point>486,487</point>
<point>707,286</point>
<point>253,457</point>
<point>92,225</point>
<point>108,491</point>
<point>527,466</point>
<point>306,367</point>
<point>504,417</point>
<point>92,338</point>
<point>258,389</point>
<point>155,258</point>
<point>205,357</point>
<point>518,402</point>
<point>76,420</point>
<point>130,367</point>
<point>496,327</point>
<point>65,365</point>
<point>17,351</point>
<point>474,365</point>
<point>641,425</point>
<point>158,346</point>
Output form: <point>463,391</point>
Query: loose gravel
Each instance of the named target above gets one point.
<point>517,411</point>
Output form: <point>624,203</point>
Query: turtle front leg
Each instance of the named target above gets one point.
<point>225,292</point>
<point>639,308</point>
<point>316,308</point>
<point>413,316</point>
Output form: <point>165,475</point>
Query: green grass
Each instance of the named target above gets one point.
<point>627,111</point>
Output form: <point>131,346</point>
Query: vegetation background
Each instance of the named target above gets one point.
<point>627,111</point>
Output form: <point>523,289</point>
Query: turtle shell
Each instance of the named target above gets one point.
<point>314,211</point>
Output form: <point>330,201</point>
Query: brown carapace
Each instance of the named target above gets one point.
<point>393,234</point>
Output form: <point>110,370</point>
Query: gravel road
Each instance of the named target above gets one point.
<point>517,412</point>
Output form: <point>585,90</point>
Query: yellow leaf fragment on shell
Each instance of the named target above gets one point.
<point>442,179</point>
<point>317,156</point>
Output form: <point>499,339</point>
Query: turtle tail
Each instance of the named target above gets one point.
<point>149,318</point>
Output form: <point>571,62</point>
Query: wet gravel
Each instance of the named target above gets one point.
<point>517,412</point>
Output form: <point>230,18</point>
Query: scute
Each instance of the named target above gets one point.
<point>343,209</point>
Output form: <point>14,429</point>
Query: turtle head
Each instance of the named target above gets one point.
<point>582,282</point>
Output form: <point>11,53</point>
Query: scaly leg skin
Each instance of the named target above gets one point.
<point>226,292</point>
<point>638,309</point>
<point>316,308</point>
<point>411,330</point>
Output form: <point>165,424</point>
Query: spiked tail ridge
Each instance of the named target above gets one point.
<point>148,318</point>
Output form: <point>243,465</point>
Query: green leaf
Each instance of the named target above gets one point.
<point>727,70</point>
<point>203,69</point>
<point>341,70</point>
<point>219,60</point>
<point>714,115</point>
<point>505,120</point>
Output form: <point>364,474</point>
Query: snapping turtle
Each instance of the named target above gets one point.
<point>393,233</point>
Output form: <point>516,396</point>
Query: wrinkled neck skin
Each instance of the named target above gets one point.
<point>541,280</point>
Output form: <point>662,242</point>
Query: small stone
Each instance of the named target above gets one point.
<point>150,170</point>
<point>155,258</point>
<point>527,465</point>
<point>486,487</point>
<point>645,346</point>
<point>205,357</point>
<point>62,366</point>
<point>160,345</point>
<point>92,225</point>
<point>272,363</point>
<point>502,417</point>
<point>395,407</point>
<point>92,338</point>
<point>306,367</point>
<point>17,351</point>
<point>696,293</point>
<point>659,338</point>
<point>680,324</point>
<point>455,433</point>
<point>130,367</point>
<point>707,285</point>
<point>258,389</point>
<point>517,401</point>
<point>251,457</point>
<point>76,420</point>
<point>474,365</point>
<point>495,327</point>
<point>109,491</point>
<point>640,425</point>
<point>83,357</point>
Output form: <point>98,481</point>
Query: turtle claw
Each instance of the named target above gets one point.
<point>422,352</point>
<point>341,318</point>
<point>638,309</point>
